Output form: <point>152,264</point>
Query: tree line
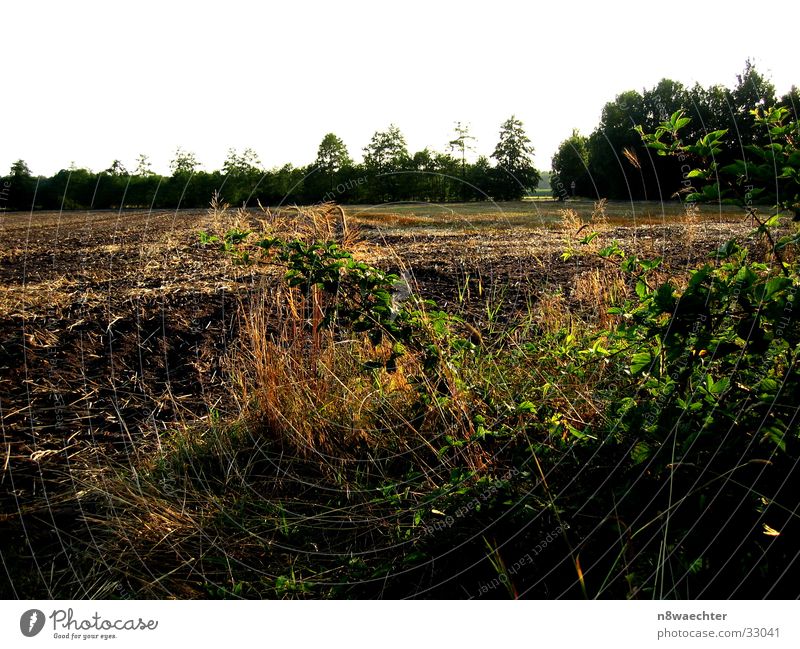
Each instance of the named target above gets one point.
<point>389,172</point>
<point>612,162</point>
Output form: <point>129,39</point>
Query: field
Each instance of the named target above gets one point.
<point>121,332</point>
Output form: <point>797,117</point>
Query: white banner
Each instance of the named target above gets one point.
<point>400,625</point>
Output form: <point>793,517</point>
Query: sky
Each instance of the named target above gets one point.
<point>89,82</point>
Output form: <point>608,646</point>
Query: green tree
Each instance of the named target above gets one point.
<point>571,164</point>
<point>144,184</point>
<point>791,102</point>
<point>143,167</point>
<point>435,178</point>
<point>662,100</point>
<point>516,173</point>
<point>71,188</point>
<point>245,164</point>
<point>183,162</point>
<point>287,183</point>
<point>461,144</point>
<point>20,170</point>
<point>709,109</point>
<point>479,180</point>
<point>386,154</point>
<point>242,173</point>
<point>612,175</point>
<point>752,91</point>
<point>117,169</point>
<point>332,156</point>
<point>387,151</point>
<point>21,187</point>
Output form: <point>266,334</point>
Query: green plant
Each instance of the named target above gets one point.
<point>703,364</point>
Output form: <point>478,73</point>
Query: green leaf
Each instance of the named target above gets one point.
<point>660,147</point>
<point>730,247</point>
<point>698,277</point>
<point>737,168</point>
<point>789,240</point>
<point>717,387</point>
<point>207,239</point>
<point>640,452</point>
<point>649,264</point>
<point>775,285</point>
<point>664,298</point>
<point>774,434</point>
<point>745,276</point>
<point>641,361</point>
<point>612,250</point>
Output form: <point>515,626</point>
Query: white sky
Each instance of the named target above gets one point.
<point>92,81</point>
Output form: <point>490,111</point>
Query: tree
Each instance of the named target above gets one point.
<point>513,155</point>
<point>791,102</point>
<point>184,162</point>
<point>479,180</point>
<point>243,174</point>
<point>71,188</point>
<point>752,91</point>
<point>246,164</point>
<point>144,187</point>
<point>663,100</point>
<point>435,177</point>
<point>460,143</point>
<point>20,170</point>
<point>332,155</point>
<point>143,167</point>
<point>571,164</point>
<point>615,134</point>
<point>658,175</point>
<point>19,187</point>
<point>117,169</point>
<point>386,151</point>
<point>385,154</point>
<point>709,109</point>
<point>287,183</point>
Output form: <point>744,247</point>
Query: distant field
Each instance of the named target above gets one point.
<point>527,214</point>
<point>541,192</point>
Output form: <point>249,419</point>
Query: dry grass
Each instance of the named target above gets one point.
<point>576,229</point>
<point>323,222</point>
<point>305,383</point>
<point>551,313</point>
<point>599,219</point>
<point>597,290</point>
<point>571,222</point>
<point>691,223</point>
